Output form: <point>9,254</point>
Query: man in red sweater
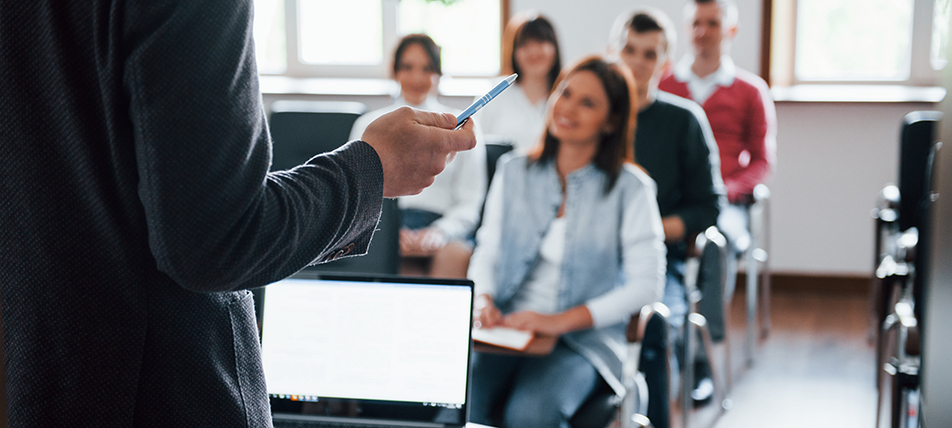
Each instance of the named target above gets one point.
<point>737,103</point>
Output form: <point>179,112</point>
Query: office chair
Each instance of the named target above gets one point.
<point>917,152</point>
<point>496,146</point>
<point>706,272</point>
<point>494,150</point>
<point>645,374</point>
<point>302,129</point>
<point>899,209</point>
<point>715,303</point>
<point>916,140</point>
<point>756,259</point>
<point>898,383</point>
<point>903,240</point>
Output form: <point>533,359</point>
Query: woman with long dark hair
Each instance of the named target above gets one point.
<point>531,49</point>
<point>437,223</point>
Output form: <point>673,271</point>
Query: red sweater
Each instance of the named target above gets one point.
<point>744,122</point>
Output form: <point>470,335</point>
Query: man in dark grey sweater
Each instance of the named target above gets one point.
<point>137,209</point>
<point>673,142</point>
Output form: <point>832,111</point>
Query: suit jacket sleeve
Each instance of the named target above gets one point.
<point>216,219</point>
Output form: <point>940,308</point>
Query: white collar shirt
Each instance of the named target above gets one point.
<point>702,87</point>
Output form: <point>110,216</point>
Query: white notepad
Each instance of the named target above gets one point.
<point>504,337</point>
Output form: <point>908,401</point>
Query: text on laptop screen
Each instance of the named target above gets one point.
<point>372,341</point>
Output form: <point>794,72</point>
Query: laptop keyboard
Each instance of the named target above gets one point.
<point>323,424</point>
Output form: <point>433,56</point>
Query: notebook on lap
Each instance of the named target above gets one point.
<point>387,351</point>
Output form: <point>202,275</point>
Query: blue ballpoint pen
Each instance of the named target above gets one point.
<point>478,104</point>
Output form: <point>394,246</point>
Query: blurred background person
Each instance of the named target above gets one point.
<point>675,145</point>
<point>531,49</point>
<point>438,223</point>
<point>737,103</point>
<point>571,246</point>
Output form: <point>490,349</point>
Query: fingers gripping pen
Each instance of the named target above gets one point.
<point>478,104</point>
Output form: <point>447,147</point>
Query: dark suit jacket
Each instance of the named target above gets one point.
<point>135,201</point>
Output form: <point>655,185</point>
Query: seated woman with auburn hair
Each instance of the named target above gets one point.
<point>571,246</point>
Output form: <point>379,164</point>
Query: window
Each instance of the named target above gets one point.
<point>355,38</point>
<point>941,18</point>
<point>858,41</point>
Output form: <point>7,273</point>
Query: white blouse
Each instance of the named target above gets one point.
<point>541,290</point>
<point>511,116</point>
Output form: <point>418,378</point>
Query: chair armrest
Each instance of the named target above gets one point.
<point>887,204</point>
<point>761,193</point>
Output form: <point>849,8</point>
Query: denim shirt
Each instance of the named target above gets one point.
<point>614,256</point>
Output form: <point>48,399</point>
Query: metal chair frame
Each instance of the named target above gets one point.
<point>696,324</point>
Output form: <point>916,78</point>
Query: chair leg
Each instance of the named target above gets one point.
<point>687,372</point>
<point>726,344</point>
<point>763,242</point>
<point>717,376</point>
<point>640,421</point>
<point>752,301</point>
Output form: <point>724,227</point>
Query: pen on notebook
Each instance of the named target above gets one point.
<point>478,104</point>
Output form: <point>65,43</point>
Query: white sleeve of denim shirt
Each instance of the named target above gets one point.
<point>482,266</point>
<point>643,259</point>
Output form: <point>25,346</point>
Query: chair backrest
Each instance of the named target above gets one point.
<point>916,140</point>
<point>495,148</point>
<point>603,406</point>
<point>713,252</point>
<point>301,130</point>
<point>923,271</point>
<point>654,362</point>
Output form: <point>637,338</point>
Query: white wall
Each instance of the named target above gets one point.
<point>833,158</point>
<point>832,161</point>
<point>583,27</point>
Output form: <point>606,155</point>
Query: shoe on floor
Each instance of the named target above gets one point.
<point>703,392</point>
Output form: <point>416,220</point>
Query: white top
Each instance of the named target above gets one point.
<point>511,116</point>
<point>457,193</point>
<point>609,308</point>
<point>702,88</point>
<point>541,290</point>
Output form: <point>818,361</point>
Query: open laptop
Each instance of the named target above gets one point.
<point>368,351</point>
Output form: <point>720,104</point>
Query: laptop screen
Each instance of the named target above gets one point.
<point>380,348</point>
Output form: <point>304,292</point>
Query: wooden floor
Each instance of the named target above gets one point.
<point>814,369</point>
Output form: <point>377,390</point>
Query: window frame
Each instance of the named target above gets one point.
<point>778,46</point>
<point>295,68</point>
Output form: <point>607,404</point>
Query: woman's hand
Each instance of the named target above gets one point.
<point>577,318</point>
<point>485,312</point>
<point>422,242</point>
<point>546,325</point>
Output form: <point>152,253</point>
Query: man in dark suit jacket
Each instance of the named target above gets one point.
<point>136,200</point>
